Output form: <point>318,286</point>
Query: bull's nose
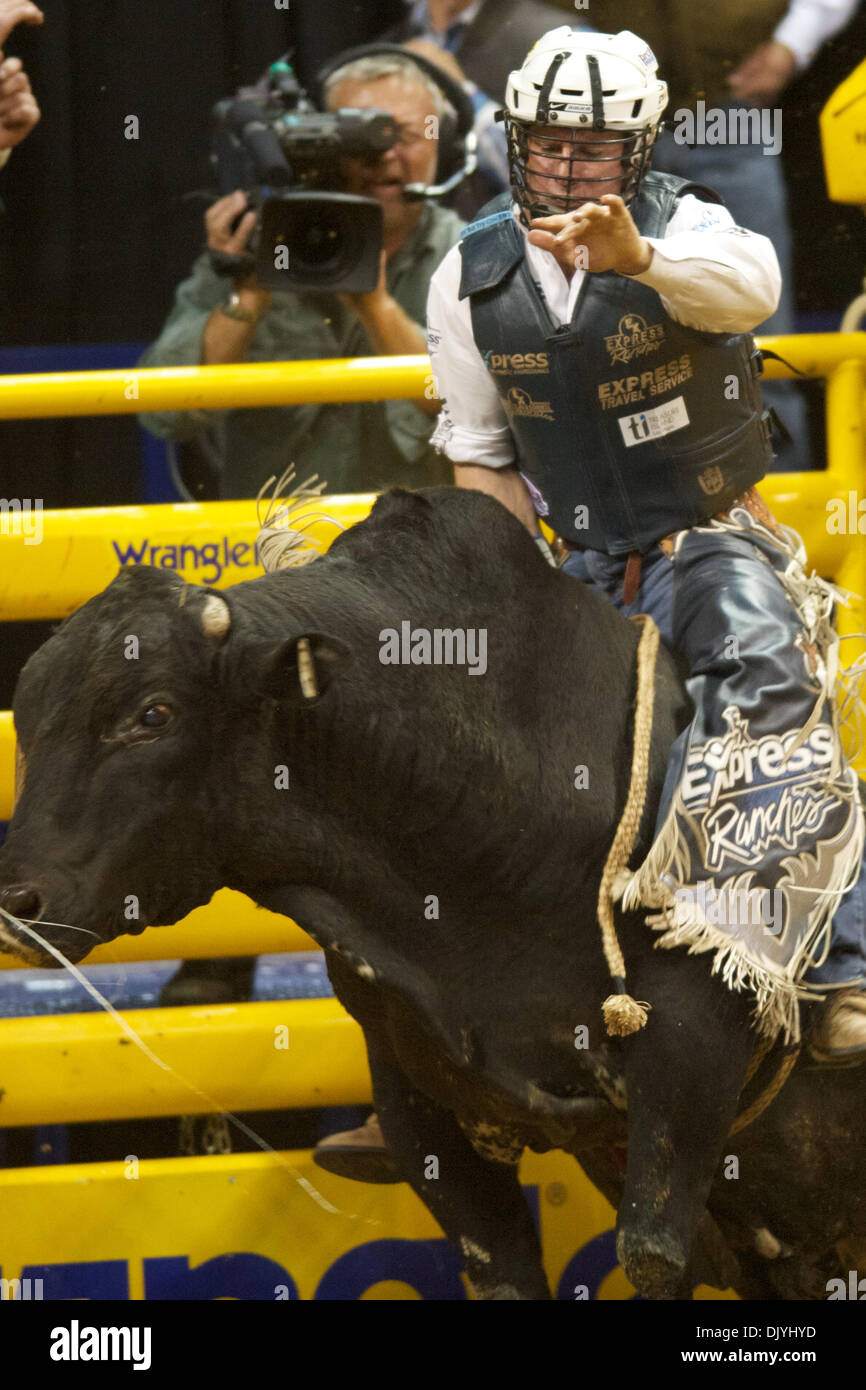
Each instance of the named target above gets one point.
<point>22,900</point>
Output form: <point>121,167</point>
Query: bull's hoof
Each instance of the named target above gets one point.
<point>529,1290</point>
<point>654,1264</point>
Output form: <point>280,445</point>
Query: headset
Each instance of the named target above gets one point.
<point>457,142</point>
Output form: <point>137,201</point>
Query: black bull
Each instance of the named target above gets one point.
<point>437,839</point>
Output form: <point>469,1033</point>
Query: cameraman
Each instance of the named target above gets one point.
<point>355,447</point>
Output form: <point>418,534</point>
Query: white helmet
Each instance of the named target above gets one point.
<point>582,82</point>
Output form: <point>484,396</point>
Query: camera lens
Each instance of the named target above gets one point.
<point>321,245</point>
<point>320,241</point>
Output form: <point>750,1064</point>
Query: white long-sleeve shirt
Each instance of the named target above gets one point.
<point>710,275</point>
<point>810,23</point>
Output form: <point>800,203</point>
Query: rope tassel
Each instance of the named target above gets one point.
<point>622,1013</point>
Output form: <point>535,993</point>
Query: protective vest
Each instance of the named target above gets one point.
<point>696,42</point>
<point>628,426</point>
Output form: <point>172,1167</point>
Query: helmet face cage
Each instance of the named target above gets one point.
<point>568,146</point>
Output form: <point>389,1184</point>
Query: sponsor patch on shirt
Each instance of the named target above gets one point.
<point>519,402</point>
<point>711,220</point>
<point>634,338</point>
<point>652,424</point>
<point>657,381</point>
<point>518,363</point>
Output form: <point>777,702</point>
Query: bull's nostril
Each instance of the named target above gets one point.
<point>22,900</point>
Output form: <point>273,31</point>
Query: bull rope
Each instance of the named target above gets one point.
<point>622,1013</point>
<point>770,1092</point>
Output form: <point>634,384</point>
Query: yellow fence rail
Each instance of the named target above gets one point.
<point>71,1068</point>
<point>240,385</point>
<point>335,379</point>
<point>80,550</point>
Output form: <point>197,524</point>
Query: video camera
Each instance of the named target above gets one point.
<point>271,141</point>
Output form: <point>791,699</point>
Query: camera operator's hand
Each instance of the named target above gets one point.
<point>232,326</point>
<point>388,327</point>
<point>218,224</point>
<point>369,306</point>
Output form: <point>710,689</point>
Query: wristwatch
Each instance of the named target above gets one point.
<point>233,309</point>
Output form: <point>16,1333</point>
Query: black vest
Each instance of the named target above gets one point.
<point>629,425</point>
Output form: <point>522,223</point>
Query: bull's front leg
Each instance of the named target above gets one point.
<point>477,1201</point>
<point>684,1073</point>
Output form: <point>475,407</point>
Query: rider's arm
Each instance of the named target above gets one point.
<point>473,430</point>
<point>711,274</point>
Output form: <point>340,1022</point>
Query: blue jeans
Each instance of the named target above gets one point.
<point>846,961</point>
<point>752,185</point>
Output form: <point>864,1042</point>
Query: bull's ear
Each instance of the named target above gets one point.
<point>301,670</point>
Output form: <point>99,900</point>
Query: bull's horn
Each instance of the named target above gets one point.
<point>307,670</point>
<point>216,618</point>
<point>20,770</point>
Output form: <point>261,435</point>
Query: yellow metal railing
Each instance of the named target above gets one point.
<point>240,385</point>
<point>334,379</point>
<point>69,1068</point>
<point>81,549</point>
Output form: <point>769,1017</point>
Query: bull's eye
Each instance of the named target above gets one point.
<point>156,716</point>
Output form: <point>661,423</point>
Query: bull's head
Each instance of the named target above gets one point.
<point>137,724</point>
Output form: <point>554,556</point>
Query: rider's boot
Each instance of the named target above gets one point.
<point>359,1154</point>
<point>839,1038</point>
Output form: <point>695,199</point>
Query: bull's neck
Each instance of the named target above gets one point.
<point>512,797</point>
